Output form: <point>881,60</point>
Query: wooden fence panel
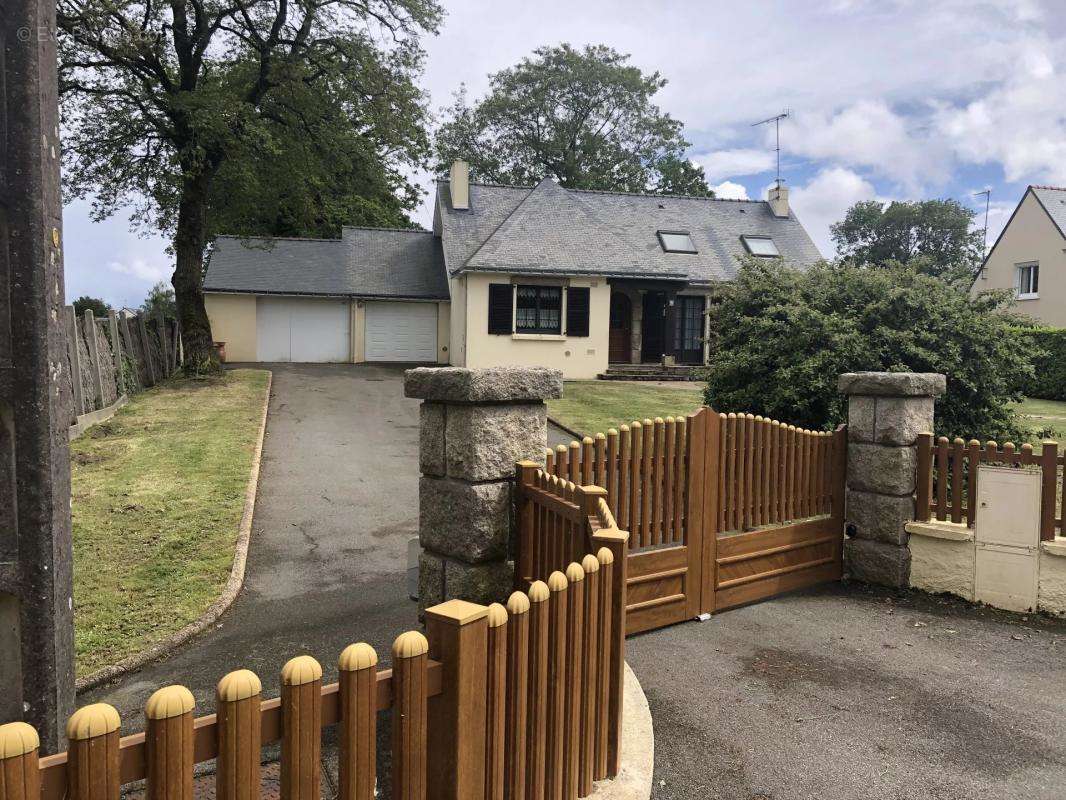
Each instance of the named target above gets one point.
<point>357,669</point>
<point>169,744</point>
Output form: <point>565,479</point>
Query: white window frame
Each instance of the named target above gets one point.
<point>1024,287</point>
<point>748,239</point>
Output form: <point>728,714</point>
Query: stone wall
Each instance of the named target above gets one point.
<point>886,412</point>
<point>475,425</point>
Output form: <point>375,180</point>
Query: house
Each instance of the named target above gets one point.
<point>537,275</point>
<point>1030,256</point>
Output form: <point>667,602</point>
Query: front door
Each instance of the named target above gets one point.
<point>653,328</point>
<point>619,350</point>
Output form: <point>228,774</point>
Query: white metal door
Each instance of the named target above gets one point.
<point>1007,536</point>
<point>401,332</point>
<point>302,329</point>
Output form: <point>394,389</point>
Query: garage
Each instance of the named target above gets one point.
<point>404,332</point>
<point>302,329</point>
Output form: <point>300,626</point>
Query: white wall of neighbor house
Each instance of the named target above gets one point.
<point>233,321</point>
<point>579,357</point>
<point>444,325</point>
<point>457,326</point>
<point>1031,237</point>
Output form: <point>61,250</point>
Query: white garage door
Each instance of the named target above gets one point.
<point>401,332</point>
<point>302,329</point>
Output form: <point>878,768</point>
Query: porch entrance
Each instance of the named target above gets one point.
<point>722,510</point>
<point>672,325</point>
<point>620,340</point>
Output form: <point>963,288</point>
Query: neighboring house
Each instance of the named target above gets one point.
<point>538,275</point>
<point>1030,256</point>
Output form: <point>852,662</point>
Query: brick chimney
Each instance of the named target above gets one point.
<point>459,183</point>
<point>777,197</point>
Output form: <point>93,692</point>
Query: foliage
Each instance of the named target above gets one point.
<point>933,235</point>
<point>784,336</point>
<point>249,114</point>
<point>160,300</point>
<point>584,117</point>
<point>1047,348</point>
<point>99,308</point>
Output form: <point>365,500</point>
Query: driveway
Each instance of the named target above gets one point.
<point>337,504</point>
<point>852,692</point>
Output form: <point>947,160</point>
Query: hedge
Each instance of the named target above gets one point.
<point>1048,346</point>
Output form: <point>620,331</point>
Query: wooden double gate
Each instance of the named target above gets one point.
<point>721,509</point>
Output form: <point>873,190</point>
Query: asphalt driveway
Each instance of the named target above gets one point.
<point>850,692</point>
<point>337,504</point>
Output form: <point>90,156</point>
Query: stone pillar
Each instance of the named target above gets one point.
<point>36,616</point>
<point>886,412</point>
<point>475,424</point>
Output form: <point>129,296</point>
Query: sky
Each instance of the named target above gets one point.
<point>888,100</point>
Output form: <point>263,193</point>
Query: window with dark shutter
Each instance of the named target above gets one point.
<point>577,311</point>
<point>500,298</point>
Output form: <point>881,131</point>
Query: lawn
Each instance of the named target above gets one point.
<point>591,407</point>
<point>157,496</point>
<point>1045,419</point>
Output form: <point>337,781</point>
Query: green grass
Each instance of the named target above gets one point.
<point>157,496</point>
<point>591,407</point>
<point>1044,419</point>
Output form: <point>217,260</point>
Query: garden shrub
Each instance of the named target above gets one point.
<point>781,338</point>
<point>1047,347</point>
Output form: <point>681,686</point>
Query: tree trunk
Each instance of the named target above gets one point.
<point>189,242</point>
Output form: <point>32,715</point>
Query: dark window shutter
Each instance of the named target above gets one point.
<point>577,311</point>
<point>500,308</point>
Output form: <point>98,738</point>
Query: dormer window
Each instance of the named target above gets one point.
<point>676,242</point>
<point>761,246</point>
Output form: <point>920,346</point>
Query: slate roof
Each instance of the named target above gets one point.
<point>547,229</point>
<point>1053,199</point>
<point>364,262</point>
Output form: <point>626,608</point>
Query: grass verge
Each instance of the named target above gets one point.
<point>591,407</point>
<point>1044,419</point>
<point>157,496</point>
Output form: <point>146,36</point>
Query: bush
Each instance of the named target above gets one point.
<point>782,337</point>
<point>1047,348</point>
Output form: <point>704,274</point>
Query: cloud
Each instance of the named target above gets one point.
<point>825,199</point>
<point>731,163</point>
<point>727,190</point>
<point>140,268</point>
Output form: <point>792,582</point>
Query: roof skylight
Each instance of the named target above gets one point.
<point>676,242</point>
<point>762,246</point>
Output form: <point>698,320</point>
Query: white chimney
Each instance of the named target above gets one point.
<point>777,197</point>
<point>459,183</point>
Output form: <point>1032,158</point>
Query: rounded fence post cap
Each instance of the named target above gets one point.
<point>600,437</point>
<point>590,563</point>
<point>517,603</point>
<point>497,615</point>
<point>605,556</point>
<point>538,592</point>
<point>170,701</point>
<point>574,572</point>
<point>556,582</point>
<point>409,645</point>
<point>613,431</point>
<point>239,685</point>
<point>357,656</point>
<point>588,439</point>
<point>17,739</point>
<point>91,721</point>
<point>300,670</point>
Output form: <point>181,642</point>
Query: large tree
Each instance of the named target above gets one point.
<point>584,117</point>
<point>209,112</point>
<point>783,336</point>
<point>936,236</point>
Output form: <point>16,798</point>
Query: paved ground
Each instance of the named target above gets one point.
<point>337,504</point>
<point>848,692</point>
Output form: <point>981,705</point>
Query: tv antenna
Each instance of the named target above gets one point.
<point>777,136</point>
<point>988,196</point>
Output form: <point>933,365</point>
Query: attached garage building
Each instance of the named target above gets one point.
<point>373,295</point>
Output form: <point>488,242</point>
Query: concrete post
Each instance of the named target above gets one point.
<point>886,412</point>
<point>476,423</point>
<point>36,616</point>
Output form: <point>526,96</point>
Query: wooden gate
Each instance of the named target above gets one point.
<point>722,509</point>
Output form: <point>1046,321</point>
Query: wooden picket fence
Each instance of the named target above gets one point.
<point>722,509</point>
<point>520,702</point>
<point>948,478</point>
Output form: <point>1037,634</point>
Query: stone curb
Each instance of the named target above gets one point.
<point>568,431</point>
<point>87,420</point>
<point>634,778</point>
<point>229,591</point>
